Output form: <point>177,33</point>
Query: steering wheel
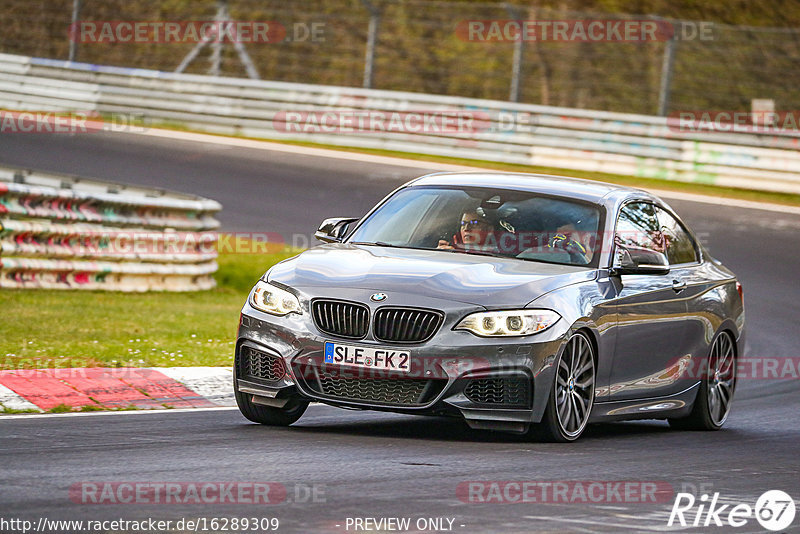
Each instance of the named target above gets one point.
<point>576,251</point>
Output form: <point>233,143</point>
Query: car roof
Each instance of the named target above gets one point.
<point>577,188</point>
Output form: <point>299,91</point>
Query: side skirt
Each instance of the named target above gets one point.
<point>677,405</point>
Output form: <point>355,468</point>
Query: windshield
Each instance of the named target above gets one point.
<point>496,222</point>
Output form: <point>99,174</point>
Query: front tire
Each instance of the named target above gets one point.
<point>572,394</point>
<point>713,402</point>
<point>267,415</point>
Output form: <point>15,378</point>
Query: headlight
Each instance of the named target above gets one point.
<point>274,300</point>
<point>508,323</point>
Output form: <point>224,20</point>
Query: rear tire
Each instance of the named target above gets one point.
<point>572,394</point>
<point>713,402</point>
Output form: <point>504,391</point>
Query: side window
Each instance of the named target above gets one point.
<point>680,246</point>
<point>638,226</point>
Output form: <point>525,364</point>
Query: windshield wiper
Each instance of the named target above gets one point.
<point>374,244</point>
<point>473,252</point>
<point>458,251</point>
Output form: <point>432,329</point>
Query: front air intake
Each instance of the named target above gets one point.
<point>502,391</point>
<point>259,364</point>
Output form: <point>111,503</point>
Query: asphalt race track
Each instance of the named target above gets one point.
<point>366,464</point>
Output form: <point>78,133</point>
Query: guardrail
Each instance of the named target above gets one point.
<point>65,232</point>
<point>564,138</point>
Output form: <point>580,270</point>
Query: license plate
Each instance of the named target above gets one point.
<point>367,357</point>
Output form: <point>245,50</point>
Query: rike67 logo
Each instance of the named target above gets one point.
<point>774,510</point>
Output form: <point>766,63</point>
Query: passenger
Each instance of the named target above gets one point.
<point>578,244</point>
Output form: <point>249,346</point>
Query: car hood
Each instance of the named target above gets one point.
<point>472,279</point>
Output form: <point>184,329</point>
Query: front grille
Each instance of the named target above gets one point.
<point>338,318</point>
<point>405,325</point>
<point>394,391</point>
<point>507,391</point>
<point>257,364</point>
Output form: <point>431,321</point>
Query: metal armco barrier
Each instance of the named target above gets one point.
<point>564,138</point>
<point>63,232</point>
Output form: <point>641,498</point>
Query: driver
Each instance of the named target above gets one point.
<point>474,232</point>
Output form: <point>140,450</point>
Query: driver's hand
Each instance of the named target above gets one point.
<point>569,245</point>
<point>444,245</point>
<point>558,241</point>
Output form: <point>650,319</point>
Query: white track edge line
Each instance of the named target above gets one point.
<point>36,416</point>
<point>428,165</point>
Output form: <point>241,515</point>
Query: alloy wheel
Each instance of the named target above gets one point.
<point>721,379</point>
<point>575,379</point>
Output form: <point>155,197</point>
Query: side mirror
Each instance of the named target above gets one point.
<point>638,260</point>
<point>333,230</point>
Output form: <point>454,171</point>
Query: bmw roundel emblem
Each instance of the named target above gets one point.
<point>378,297</point>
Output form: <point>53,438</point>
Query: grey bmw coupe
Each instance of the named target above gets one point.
<point>523,303</point>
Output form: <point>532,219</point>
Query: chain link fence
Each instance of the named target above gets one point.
<point>422,46</point>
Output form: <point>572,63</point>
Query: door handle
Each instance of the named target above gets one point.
<point>678,285</point>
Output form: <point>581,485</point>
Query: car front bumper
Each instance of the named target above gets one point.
<point>493,383</point>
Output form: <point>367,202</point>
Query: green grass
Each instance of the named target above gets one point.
<point>61,408</point>
<point>55,329</point>
<point>4,410</point>
<point>92,407</point>
<point>66,408</point>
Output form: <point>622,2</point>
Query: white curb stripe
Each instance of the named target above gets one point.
<point>116,412</point>
<point>12,401</point>
<point>213,383</point>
